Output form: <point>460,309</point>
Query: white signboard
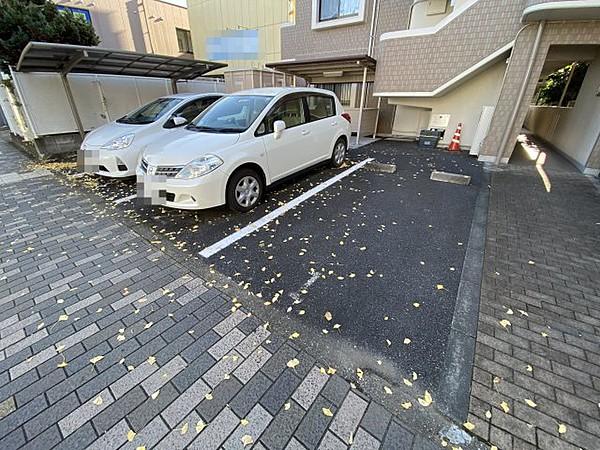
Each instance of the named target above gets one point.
<point>439,121</point>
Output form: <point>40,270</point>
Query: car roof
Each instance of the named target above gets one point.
<point>280,91</point>
<point>187,95</point>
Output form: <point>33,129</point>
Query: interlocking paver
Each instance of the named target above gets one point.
<point>537,281</point>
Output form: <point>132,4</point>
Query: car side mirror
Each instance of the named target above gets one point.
<point>278,128</point>
<point>178,121</point>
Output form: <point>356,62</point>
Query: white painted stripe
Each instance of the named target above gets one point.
<point>254,226</point>
<point>125,199</point>
<point>315,276</point>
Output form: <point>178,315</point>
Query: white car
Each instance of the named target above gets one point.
<point>240,145</point>
<point>113,150</point>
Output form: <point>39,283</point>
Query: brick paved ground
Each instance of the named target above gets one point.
<point>107,342</point>
<point>542,275</point>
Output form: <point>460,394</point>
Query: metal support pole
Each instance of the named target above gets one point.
<point>362,104</point>
<point>174,85</point>
<point>377,117</point>
<point>71,100</point>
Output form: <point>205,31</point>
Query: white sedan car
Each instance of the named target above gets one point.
<point>113,150</point>
<point>242,144</point>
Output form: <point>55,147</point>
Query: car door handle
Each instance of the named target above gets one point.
<point>305,132</point>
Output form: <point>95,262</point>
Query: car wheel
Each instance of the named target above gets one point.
<point>339,153</point>
<point>244,190</point>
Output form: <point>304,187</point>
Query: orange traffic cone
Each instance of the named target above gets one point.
<point>455,144</point>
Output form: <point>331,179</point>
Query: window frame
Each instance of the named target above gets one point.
<point>299,95</point>
<point>188,34</point>
<point>318,94</point>
<point>317,24</point>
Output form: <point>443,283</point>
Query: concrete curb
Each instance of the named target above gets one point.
<point>456,384</point>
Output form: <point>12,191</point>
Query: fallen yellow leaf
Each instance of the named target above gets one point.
<point>244,422</point>
<point>505,323</point>
<point>151,360</point>
<point>294,335</point>
<point>247,440</point>
<point>406,405</point>
<point>63,317</point>
<point>407,341</point>
<point>331,371</point>
<point>327,412</point>
<point>426,400</point>
<point>287,406</point>
<point>97,359</point>
<point>359,373</point>
<point>531,403</point>
<point>293,363</point>
<point>469,426</point>
<point>505,407</point>
<point>407,382</point>
<point>562,428</point>
<point>155,394</point>
<point>328,316</point>
<point>208,396</point>
<point>200,426</point>
<point>97,401</point>
<point>130,435</point>
<point>184,428</point>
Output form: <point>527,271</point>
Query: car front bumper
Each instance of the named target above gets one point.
<point>207,191</point>
<point>109,163</point>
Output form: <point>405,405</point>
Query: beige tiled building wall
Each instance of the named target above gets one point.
<point>210,18</point>
<point>300,41</point>
<point>143,25</point>
<point>424,63</point>
<point>557,33</point>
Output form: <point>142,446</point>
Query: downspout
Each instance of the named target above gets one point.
<point>519,100</point>
<point>372,32</point>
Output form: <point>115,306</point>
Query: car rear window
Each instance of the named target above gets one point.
<point>320,106</point>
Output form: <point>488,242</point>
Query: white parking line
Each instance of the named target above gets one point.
<point>254,226</point>
<point>125,199</point>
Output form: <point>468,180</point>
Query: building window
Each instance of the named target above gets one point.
<point>77,12</point>
<point>338,9</point>
<point>184,40</point>
<point>334,13</point>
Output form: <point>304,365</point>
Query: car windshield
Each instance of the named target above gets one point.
<point>232,114</point>
<point>150,112</point>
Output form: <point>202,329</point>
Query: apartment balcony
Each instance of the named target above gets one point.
<point>427,62</point>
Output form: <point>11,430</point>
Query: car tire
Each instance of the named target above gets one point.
<point>339,153</point>
<point>244,190</point>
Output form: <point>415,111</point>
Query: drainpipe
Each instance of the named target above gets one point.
<point>372,32</point>
<point>519,100</point>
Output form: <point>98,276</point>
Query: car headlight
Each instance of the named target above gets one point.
<point>200,166</point>
<point>119,143</point>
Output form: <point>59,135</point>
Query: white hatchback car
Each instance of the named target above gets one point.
<point>242,144</point>
<point>113,150</point>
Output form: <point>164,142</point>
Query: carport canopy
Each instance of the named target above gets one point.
<point>333,67</point>
<point>67,58</point>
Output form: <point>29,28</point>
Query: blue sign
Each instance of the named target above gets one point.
<point>233,44</point>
